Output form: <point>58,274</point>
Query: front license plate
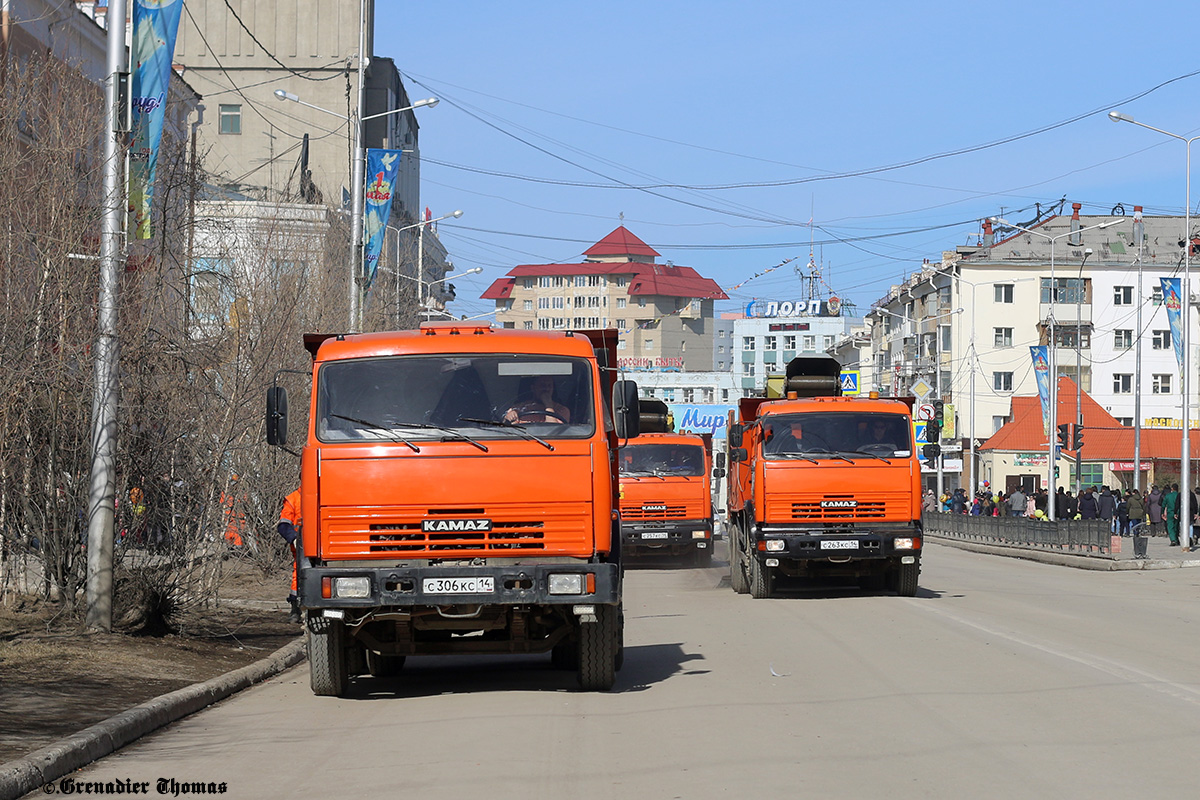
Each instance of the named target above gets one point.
<point>839,544</point>
<point>654,534</point>
<point>459,585</point>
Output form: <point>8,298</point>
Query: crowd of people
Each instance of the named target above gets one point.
<point>1127,511</point>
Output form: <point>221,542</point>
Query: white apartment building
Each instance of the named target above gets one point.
<point>766,344</point>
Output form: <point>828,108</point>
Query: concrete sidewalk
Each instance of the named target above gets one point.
<point>37,769</point>
<point>1160,555</point>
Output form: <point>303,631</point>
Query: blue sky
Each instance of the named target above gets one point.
<point>558,117</point>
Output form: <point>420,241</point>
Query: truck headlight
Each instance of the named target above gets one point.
<point>776,545</point>
<point>903,543</point>
<point>566,583</point>
<point>352,587</point>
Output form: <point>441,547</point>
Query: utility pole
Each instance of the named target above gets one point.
<point>102,484</point>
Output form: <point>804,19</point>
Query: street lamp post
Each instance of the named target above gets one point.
<point>1052,350</point>
<point>1185,458</point>
<point>420,284</point>
<point>357,181</point>
<point>420,257</point>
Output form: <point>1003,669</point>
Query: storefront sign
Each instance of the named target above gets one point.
<point>1127,466</point>
<point>1029,460</point>
<point>700,418</point>
<point>667,364</point>
<point>794,308</point>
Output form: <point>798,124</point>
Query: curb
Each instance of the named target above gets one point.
<point>1064,559</point>
<point>53,761</point>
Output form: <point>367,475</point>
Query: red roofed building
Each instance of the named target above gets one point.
<point>664,312</point>
<point>1017,454</point>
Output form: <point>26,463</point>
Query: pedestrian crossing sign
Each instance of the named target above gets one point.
<point>849,379</point>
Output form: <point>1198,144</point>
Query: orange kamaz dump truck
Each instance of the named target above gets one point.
<point>823,485</point>
<point>666,490</point>
<point>459,496</point>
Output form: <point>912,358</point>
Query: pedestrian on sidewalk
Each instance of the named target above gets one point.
<point>1136,512</point>
<point>1154,510</point>
<point>1106,507</point>
<point>1121,515</point>
<point>289,529</point>
<point>1017,503</point>
<point>1087,504</point>
<point>1171,513</point>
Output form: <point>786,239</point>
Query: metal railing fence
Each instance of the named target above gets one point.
<point>1091,537</point>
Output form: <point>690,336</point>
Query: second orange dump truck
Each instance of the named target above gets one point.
<point>666,490</point>
<point>459,496</point>
<point>823,485</point>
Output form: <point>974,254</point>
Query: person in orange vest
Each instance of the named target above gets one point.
<point>289,528</point>
<point>235,520</point>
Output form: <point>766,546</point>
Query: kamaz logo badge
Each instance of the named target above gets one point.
<point>438,525</point>
<point>839,504</point>
<point>654,508</point>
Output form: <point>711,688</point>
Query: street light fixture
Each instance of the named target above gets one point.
<point>1185,457</point>
<point>357,182</point>
<point>1052,349</point>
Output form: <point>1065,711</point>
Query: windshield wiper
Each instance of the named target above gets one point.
<point>459,436</point>
<point>794,455</point>
<point>830,453</point>
<point>510,426</point>
<point>872,455</point>
<point>376,426</point>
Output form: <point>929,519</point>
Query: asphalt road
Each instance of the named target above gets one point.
<point>1002,678</point>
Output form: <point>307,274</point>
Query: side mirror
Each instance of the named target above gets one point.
<point>719,472</point>
<point>720,460</point>
<point>735,435</point>
<point>738,454</point>
<point>626,409</point>
<point>277,416</point>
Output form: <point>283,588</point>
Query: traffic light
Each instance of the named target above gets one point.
<point>1064,435</point>
<point>939,412</point>
<point>931,451</point>
<point>1077,442</point>
<point>933,427</point>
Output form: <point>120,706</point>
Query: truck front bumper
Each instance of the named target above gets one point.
<point>838,545</point>
<point>445,585</point>
<point>673,535</point>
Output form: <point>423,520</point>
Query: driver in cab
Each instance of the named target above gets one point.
<point>877,436</point>
<point>539,405</point>
<point>786,438</point>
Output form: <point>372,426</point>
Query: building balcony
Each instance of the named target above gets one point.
<point>1067,313</point>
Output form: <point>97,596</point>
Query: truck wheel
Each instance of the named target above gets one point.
<point>619,661</point>
<point>381,666</point>
<point>356,659</point>
<point>598,643</point>
<point>906,579</point>
<point>737,571</point>
<point>327,659</point>
<point>762,580</point>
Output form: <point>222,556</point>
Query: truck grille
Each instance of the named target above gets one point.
<point>516,528</point>
<point>801,507</point>
<point>812,511</point>
<point>654,511</point>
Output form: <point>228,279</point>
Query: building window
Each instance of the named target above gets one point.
<point>544,282</point>
<point>1066,290</point>
<point>689,395</point>
<point>945,338</point>
<point>560,322</point>
<point>1004,292</point>
<point>1003,337</point>
<point>769,342</point>
<point>557,302</point>
<point>1162,384</point>
<point>810,343</point>
<point>1002,381</point>
<point>544,324</point>
<point>620,282</point>
<point>581,280</point>
<point>1122,295</point>
<point>620,323</point>
<point>1160,340</point>
<point>789,342</point>
<point>721,349</point>
<point>725,397</point>
<point>593,280</point>
<point>748,369</point>
<point>1123,338</point>
<point>527,283</point>
<point>230,118</point>
<point>1122,383</point>
<point>620,302</point>
<point>528,324</point>
<point>641,302</point>
<point>999,422</point>
<point>543,302</point>
<point>594,302</point>
<point>747,342</point>
<point>593,322</point>
<point>1125,421</point>
<point>1156,295</point>
<point>648,344</point>
<point>1073,337</point>
<point>828,342</point>
<point>527,305</point>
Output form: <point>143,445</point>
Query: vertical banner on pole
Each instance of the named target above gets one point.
<point>155,24</point>
<point>383,166</point>
<point>1041,372</point>
<point>1171,292</point>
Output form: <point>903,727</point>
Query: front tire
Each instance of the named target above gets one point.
<point>327,671</point>
<point>906,579</point>
<point>762,579</point>
<point>598,645</point>
<point>737,570</point>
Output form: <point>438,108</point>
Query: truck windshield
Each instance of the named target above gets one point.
<point>436,398</point>
<point>661,459</point>
<point>841,435</point>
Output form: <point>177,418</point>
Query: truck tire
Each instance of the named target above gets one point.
<point>381,666</point>
<point>906,579</point>
<point>737,571</point>
<point>598,643</point>
<point>762,579</point>
<point>327,672</point>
